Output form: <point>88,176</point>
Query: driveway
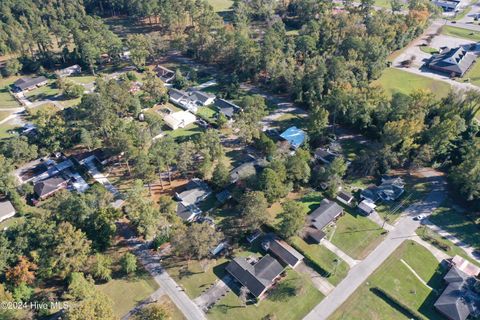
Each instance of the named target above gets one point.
<point>404,229</point>
<point>214,293</point>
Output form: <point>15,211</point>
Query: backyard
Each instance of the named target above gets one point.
<point>291,306</point>
<point>400,283</point>
<point>395,80</point>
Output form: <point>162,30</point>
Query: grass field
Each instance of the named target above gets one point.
<point>461,33</point>
<point>82,79</point>
<point>428,50</point>
<point>6,99</point>
<point>327,260</point>
<point>394,80</point>
<point>45,92</point>
<point>127,293</point>
<point>355,234</point>
<point>398,281</point>
<point>221,5</point>
<point>208,113</point>
<point>182,133</point>
<point>4,128</point>
<point>294,307</point>
<point>4,114</point>
<point>474,74</point>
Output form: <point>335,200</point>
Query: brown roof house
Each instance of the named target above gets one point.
<point>48,187</point>
<point>6,210</point>
<point>453,61</point>
<point>256,276</point>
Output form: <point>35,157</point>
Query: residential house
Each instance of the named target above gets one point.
<point>227,108</point>
<point>247,169</point>
<point>6,210</point>
<point>256,276</point>
<point>48,187</point>
<point>390,189</point>
<point>201,98</point>
<point>179,119</point>
<point>294,136</point>
<point>191,99</point>
<point>75,69</point>
<point>166,75</point>
<point>459,300</point>
<point>366,207</point>
<point>453,61</point>
<point>314,235</point>
<point>195,192</point>
<point>281,250</point>
<point>223,196</point>
<point>325,214</point>
<point>325,155</point>
<point>345,198</point>
<point>27,84</point>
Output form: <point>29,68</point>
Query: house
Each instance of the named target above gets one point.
<point>459,300</point>
<point>200,98</point>
<point>27,84</point>
<point>254,236</point>
<point>455,61</point>
<point>195,191</point>
<point>447,5</point>
<point>182,99</point>
<point>223,196</point>
<point>325,155</point>
<point>256,276</point>
<point>390,189</point>
<point>281,250</point>
<point>166,75</point>
<point>326,213</point>
<point>179,119</point>
<point>314,235</point>
<point>247,169</point>
<point>294,136</point>
<point>75,69</point>
<point>188,213</point>
<point>366,207</point>
<point>345,197</point>
<point>48,187</point>
<point>227,108</point>
<point>6,210</point>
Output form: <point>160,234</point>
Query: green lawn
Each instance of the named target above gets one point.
<point>443,244</point>
<point>221,5</point>
<point>44,92</point>
<point>183,133</point>
<point>288,120</point>
<point>395,80</point>
<point>6,99</point>
<point>334,268</point>
<point>127,293</point>
<point>399,282</point>
<point>460,224</point>
<point>461,33</point>
<point>82,79</point>
<point>351,148</point>
<point>428,50</point>
<point>4,114</point>
<point>355,234</point>
<point>473,75</point>
<point>4,128</point>
<point>11,222</point>
<point>293,307</point>
<point>208,113</point>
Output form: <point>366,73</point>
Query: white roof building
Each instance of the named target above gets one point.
<point>179,119</point>
<point>6,210</point>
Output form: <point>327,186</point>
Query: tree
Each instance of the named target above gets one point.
<point>318,122</point>
<point>244,295</point>
<point>185,157</point>
<point>221,175</point>
<point>248,120</point>
<point>180,81</point>
<point>79,287</point>
<point>12,67</point>
<point>292,219</point>
<point>140,49</point>
<point>6,254</point>
<point>102,267</point>
<point>98,306</point>
<point>154,311</point>
<point>7,181</point>
<point>253,208</point>
<point>154,89</point>
<point>19,150</point>
<point>201,239</point>
<point>272,185</point>
<point>128,263</point>
<point>72,90</point>
<point>466,175</point>
<point>70,249</point>
<point>298,169</point>
<point>22,272</point>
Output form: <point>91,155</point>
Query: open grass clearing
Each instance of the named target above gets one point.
<point>355,234</point>
<point>399,282</point>
<point>182,134</point>
<point>332,267</point>
<point>47,91</point>
<point>399,81</point>
<point>221,5</point>
<point>5,130</point>
<point>6,98</point>
<point>4,115</point>
<point>461,33</point>
<point>473,75</point>
<point>428,49</point>
<point>208,113</point>
<point>293,307</point>
<point>82,79</point>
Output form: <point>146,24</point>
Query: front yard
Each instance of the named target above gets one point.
<point>398,281</point>
<point>461,33</point>
<point>292,306</point>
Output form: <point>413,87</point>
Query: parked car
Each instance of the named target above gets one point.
<point>419,217</point>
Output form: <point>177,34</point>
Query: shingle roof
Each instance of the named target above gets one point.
<point>195,191</point>
<point>202,97</point>
<point>257,277</point>
<point>345,196</point>
<point>324,214</point>
<point>282,250</point>
<point>47,186</point>
<point>24,83</point>
<point>226,107</point>
<point>456,60</point>
<point>6,210</point>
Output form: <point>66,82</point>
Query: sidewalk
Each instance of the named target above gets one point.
<point>342,255</point>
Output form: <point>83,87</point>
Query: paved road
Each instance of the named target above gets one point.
<point>404,229</point>
<point>151,262</point>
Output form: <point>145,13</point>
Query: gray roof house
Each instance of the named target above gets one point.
<point>247,169</point>
<point>459,300</point>
<point>325,214</point>
<point>191,99</point>
<point>345,197</point>
<point>257,277</point>
<point>454,61</point>
<point>390,189</point>
<point>188,213</point>
<point>6,210</point>
<point>325,155</point>
<point>166,75</point>
<point>201,98</point>
<point>195,191</point>
<point>227,108</point>
<point>281,250</point>
<point>24,84</point>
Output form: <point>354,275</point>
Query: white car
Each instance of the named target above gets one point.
<point>419,217</point>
